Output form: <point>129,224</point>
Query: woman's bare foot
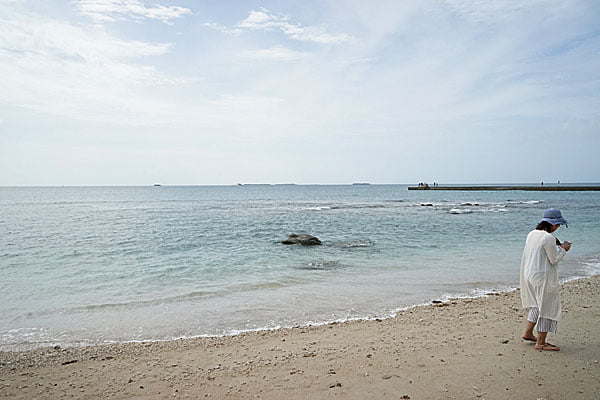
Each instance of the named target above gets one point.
<point>547,347</point>
<point>529,338</point>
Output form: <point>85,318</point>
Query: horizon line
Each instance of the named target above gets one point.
<point>361,183</point>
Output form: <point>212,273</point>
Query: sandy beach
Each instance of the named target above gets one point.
<point>464,349</point>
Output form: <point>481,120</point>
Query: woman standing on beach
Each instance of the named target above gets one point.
<point>539,278</point>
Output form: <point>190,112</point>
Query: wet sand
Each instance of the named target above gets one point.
<point>464,349</point>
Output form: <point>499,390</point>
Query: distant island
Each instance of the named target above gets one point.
<point>361,184</point>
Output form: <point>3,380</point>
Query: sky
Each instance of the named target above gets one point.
<point>178,92</point>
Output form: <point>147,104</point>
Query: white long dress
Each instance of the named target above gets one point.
<point>539,274</point>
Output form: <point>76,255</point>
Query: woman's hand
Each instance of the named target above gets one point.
<point>566,245</point>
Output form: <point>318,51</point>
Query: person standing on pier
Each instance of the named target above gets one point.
<point>539,279</point>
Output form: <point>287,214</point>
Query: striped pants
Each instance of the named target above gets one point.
<point>543,324</point>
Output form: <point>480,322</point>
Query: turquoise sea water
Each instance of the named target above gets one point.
<point>89,265</point>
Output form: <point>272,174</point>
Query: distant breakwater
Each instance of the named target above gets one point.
<point>528,188</point>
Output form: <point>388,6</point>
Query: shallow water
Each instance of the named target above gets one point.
<point>88,265</point>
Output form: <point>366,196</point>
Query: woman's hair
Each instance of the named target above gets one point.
<point>544,226</point>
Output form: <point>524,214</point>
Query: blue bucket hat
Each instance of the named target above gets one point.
<point>553,216</point>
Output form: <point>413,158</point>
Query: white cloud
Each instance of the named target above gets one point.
<point>87,74</point>
<point>112,10</point>
<point>37,35</point>
<point>276,53</point>
<point>222,29</point>
<point>407,75</point>
<point>493,12</point>
<point>263,20</point>
<point>57,68</point>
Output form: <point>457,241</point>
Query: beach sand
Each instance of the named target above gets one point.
<point>464,349</point>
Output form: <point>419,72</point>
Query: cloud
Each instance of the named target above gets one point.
<point>263,20</point>
<point>276,53</point>
<point>425,65</point>
<point>89,75</point>
<point>113,10</point>
<point>58,68</point>
<point>222,28</point>
<point>38,35</point>
<point>391,77</point>
<point>484,11</point>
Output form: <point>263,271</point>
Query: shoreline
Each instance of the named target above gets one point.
<point>463,348</point>
<point>477,294</point>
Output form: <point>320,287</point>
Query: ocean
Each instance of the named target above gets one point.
<point>94,265</point>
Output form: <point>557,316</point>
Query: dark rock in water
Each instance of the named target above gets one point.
<point>302,239</point>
